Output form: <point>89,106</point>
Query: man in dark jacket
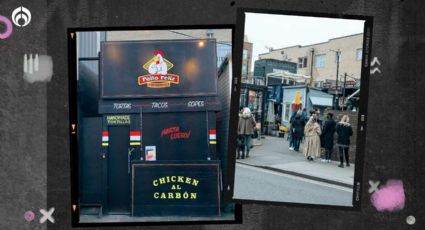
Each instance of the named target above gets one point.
<point>327,137</point>
<point>297,130</point>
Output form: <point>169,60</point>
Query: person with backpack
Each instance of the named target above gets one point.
<point>246,127</point>
<point>344,131</point>
<point>297,130</point>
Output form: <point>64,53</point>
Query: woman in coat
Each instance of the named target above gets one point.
<point>344,131</point>
<point>312,139</point>
<point>246,127</point>
<point>328,137</point>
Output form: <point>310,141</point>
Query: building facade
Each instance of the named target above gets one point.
<point>263,67</point>
<point>320,60</point>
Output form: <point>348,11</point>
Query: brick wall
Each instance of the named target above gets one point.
<point>353,140</point>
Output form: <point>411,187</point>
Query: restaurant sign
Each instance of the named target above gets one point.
<point>176,189</point>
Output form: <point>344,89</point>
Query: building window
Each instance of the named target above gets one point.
<point>302,62</point>
<point>320,61</point>
<point>245,54</point>
<point>244,69</point>
<point>359,53</point>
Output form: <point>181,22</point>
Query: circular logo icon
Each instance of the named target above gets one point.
<point>8,25</point>
<point>410,220</point>
<point>29,216</point>
<point>21,16</point>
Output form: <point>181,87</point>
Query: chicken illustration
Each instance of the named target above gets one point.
<point>158,66</point>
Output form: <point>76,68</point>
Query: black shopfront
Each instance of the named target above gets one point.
<point>151,150</point>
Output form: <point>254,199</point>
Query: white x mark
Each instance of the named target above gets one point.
<point>373,186</point>
<point>47,215</point>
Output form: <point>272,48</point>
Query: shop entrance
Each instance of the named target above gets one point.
<point>118,176</point>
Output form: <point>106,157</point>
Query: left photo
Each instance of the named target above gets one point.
<point>151,118</point>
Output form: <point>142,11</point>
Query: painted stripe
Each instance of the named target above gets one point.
<point>212,131</point>
<point>105,138</point>
<point>213,142</point>
<point>135,138</point>
<point>134,143</point>
<point>105,144</point>
<point>105,133</point>
<point>135,133</point>
<point>213,136</point>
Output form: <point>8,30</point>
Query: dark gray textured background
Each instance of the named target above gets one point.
<point>34,117</point>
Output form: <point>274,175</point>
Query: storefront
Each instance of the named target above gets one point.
<point>156,133</point>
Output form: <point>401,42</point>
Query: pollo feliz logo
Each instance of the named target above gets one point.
<point>158,77</point>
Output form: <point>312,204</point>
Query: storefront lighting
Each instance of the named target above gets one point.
<point>201,44</point>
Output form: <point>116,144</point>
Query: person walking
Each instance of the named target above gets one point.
<point>291,135</point>
<point>344,131</point>
<point>246,127</point>
<point>312,139</point>
<point>327,137</point>
<point>297,130</point>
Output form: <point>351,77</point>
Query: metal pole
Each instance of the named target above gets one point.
<point>336,80</point>
<point>343,92</point>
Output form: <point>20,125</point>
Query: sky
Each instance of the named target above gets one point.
<point>279,31</point>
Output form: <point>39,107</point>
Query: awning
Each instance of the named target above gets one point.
<point>321,101</point>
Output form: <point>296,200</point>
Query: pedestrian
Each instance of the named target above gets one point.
<point>312,139</point>
<point>291,135</point>
<point>344,131</point>
<point>297,130</point>
<point>246,127</point>
<point>327,137</point>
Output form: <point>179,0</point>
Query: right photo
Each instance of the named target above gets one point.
<point>299,109</point>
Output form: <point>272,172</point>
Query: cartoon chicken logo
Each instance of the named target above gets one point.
<point>158,67</point>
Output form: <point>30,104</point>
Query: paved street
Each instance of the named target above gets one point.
<point>275,173</point>
<point>253,183</point>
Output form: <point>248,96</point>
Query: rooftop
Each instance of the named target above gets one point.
<point>300,46</point>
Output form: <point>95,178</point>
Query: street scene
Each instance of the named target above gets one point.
<point>298,109</point>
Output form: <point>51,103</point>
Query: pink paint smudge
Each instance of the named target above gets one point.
<point>390,197</point>
<point>8,25</point>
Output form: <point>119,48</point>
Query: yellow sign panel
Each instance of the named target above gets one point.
<point>118,120</point>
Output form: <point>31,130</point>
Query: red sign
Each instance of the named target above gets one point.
<point>175,133</point>
<point>350,83</point>
<point>158,80</point>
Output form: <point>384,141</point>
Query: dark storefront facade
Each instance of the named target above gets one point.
<point>150,150</point>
